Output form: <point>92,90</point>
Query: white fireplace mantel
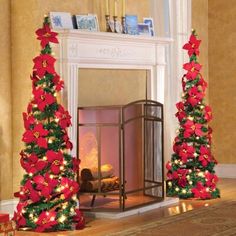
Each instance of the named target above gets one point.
<point>78,49</point>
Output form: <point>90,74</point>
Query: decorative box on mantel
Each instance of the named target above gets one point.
<point>79,49</point>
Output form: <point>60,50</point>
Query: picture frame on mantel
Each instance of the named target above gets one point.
<point>87,22</point>
<point>61,20</point>
<point>149,21</point>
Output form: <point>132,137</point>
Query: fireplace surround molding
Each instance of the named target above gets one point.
<point>80,49</point>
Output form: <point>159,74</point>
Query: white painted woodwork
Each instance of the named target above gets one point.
<point>78,49</point>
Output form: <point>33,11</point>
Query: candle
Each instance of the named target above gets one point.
<point>123,7</point>
<point>115,8</point>
<point>107,7</point>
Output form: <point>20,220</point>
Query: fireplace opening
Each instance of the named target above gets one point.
<point>121,153</point>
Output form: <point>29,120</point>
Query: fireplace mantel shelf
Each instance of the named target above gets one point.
<point>112,36</point>
<point>81,49</point>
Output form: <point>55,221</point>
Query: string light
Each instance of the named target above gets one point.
<point>31,215</point>
<point>64,162</point>
<point>51,176</point>
<point>44,158</point>
<point>35,219</point>
<point>177,189</point>
<point>184,191</point>
<point>49,140</point>
<point>62,219</point>
<point>56,119</point>
<point>169,183</point>
<point>74,197</point>
<point>61,167</point>
<point>195,154</point>
<point>190,182</point>
<point>30,174</point>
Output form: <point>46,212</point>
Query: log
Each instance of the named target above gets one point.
<point>108,184</point>
<point>107,171</point>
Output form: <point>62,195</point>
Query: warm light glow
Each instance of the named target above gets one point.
<point>184,191</point>
<point>190,117</point>
<point>30,174</point>
<point>56,119</point>
<point>176,189</point>
<point>51,176</point>
<point>49,140</point>
<point>176,161</point>
<point>61,167</point>
<point>64,162</point>
<point>206,205</point>
<point>195,154</point>
<point>62,219</point>
<point>201,174</point>
<point>169,183</point>
<point>188,177</point>
<point>190,182</point>
<point>44,158</point>
<point>35,219</point>
<point>31,215</point>
<point>74,197</point>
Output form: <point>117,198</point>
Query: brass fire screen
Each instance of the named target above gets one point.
<point>121,153</point>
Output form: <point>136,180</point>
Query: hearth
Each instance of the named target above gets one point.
<point>121,153</point>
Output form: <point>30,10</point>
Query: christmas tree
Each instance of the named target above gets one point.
<point>48,191</point>
<point>191,169</point>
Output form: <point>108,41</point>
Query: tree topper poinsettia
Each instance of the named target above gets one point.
<point>192,46</point>
<point>45,35</point>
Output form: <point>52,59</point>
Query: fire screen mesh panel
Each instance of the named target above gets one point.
<point>121,153</point>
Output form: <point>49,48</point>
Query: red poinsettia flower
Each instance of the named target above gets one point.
<point>58,82</point>
<point>18,216</point>
<point>32,164</point>
<point>27,191</point>
<point>202,83</point>
<point>186,152</point>
<point>29,108</point>
<point>46,35</point>
<point>46,220</point>
<point>67,141</point>
<point>76,163</point>
<point>45,184</point>
<point>200,191</point>
<point>28,120</point>
<point>180,176</point>
<point>211,180</point>
<point>69,187</point>
<point>195,96</point>
<point>37,135</point>
<point>42,99</point>
<point>208,113</point>
<point>205,156</point>
<point>192,128</point>
<point>56,160</point>
<point>79,219</point>
<point>192,70</point>
<point>192,46</point>
<point>44,64</point>
<point>181,113</point>
<point>168,165</point>
<point>34,78</point>
<point>64,117</point>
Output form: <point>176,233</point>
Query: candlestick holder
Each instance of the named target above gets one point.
<point>123,25</point>
<point>115,24</point>
<point>108,27</point>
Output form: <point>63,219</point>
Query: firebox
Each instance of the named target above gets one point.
<point>121,153</point>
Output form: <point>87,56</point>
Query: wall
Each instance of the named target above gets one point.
<point>222,71</point>
<point>5,101</point>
